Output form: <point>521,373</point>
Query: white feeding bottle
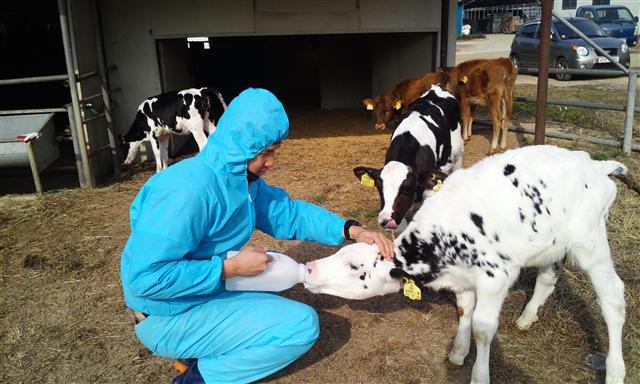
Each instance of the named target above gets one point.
<point>282,273</point>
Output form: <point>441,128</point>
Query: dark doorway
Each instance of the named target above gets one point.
<point>289,66</point>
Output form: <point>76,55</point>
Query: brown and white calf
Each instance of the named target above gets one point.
<point>529,207</point>
<point>427,140</point>
<point>487,83</point>
<point>190,111</point>
<point>389,108</point>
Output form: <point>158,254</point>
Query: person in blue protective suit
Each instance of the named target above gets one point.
<point>183,222</point>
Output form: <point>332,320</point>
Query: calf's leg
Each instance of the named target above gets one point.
<point>164,150</point>
<point>466,301</point>
<point>596,261</point>
<point>491,293</point>
<point>466,120</point>
<point>155,146</point>
<point>545,284</point>
<point>134,148</point>
<point>496,118</point>
<point>506,118</point>
<point>197,130</point>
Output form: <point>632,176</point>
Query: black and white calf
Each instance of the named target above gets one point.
<point>180,112</point>
<point>427,140</point>
<point>529,207</point>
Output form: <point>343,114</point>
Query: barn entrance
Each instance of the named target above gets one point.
<point>304,71</point>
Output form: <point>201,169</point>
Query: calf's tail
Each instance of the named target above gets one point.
<point>619,171</point>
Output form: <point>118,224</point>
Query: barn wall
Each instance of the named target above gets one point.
<point>129,44</point>
<point>131,28</point>
<point>398,57</point>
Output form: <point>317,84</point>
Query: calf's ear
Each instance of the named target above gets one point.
<point>431,179</point>
<point>372,172</point>
<point>366,175</point>
<point>369,104</point>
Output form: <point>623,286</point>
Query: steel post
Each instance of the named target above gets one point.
<point>628,123</point>
<point>104,85</point>
<point>73,90</point>
<point>34,167</point>
<point>76,144</point>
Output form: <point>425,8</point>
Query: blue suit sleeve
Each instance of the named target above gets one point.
<point>166,227</point>
<point>283,218</point>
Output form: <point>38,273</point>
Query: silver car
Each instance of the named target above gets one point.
<point>567,49</point>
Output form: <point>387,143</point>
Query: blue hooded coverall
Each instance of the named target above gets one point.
<point>183,222</point>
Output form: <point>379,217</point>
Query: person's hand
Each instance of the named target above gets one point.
<point>248,262</point>
<point>362,235</point>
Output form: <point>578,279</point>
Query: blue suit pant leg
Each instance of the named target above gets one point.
<point>237,337</point>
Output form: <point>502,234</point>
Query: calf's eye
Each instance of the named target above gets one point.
<point>354,267</point>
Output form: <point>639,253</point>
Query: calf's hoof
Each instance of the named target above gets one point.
<point>524,321</point>
<point>453,363</point>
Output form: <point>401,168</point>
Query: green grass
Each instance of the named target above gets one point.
<point>319,199</point>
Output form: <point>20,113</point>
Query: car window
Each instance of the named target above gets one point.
<point>587,27</point>
<point>529,30</point>
<point>613,15</point>
<point>588,15</point>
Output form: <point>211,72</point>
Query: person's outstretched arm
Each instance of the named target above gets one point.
<point>283,218</point>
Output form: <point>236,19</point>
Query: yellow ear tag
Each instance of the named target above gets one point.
<point>464,79</point>
<point>437,187</point>
<point>410,289</point>
<point>369,107</point>
<point>397,105</point>
<point>367,181</point>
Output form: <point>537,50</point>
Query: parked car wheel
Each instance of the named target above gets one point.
<point>515,61</point>
<point>562,63</point>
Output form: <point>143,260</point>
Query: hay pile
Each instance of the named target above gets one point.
<point>62,316</point>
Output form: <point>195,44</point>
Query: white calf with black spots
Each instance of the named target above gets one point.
<point>530,207</point>
<point>427,142</point>
<point>190,111</point>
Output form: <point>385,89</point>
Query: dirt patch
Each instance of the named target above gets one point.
<point>63,319</point>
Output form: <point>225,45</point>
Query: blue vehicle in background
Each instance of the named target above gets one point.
<point>617,20</point>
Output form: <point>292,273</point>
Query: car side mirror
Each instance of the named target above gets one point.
<point>635,18</point>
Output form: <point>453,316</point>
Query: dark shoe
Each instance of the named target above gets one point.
<point>190,376</point>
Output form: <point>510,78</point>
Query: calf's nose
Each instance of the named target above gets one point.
<point>390,224</point>
<point>380,127</point>
<point>310,266</point>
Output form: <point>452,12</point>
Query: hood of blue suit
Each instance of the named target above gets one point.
<point>253,121</point>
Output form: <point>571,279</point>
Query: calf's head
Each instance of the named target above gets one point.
<point>356,272</point>
<point>399,186</point>
<point>386,110</point>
